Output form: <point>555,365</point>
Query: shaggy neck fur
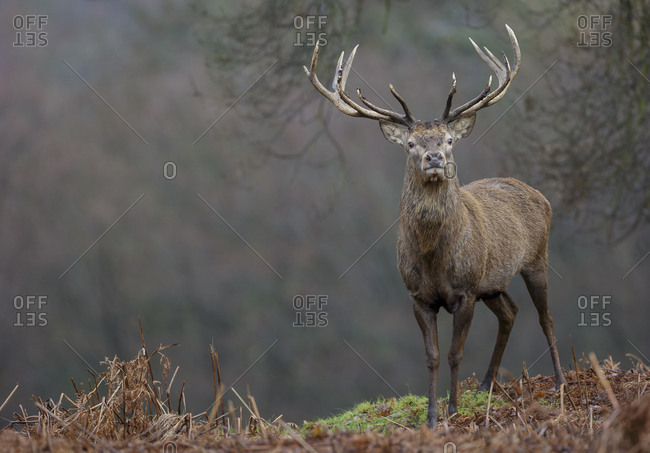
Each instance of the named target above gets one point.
<point>432,211</point>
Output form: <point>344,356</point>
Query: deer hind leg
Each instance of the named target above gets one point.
<point>427,320</point>
<point>536,282</point>
<point>505,310</point>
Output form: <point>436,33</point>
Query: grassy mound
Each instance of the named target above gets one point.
<point>384,415</point>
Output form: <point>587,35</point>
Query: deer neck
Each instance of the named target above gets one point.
<point>432,211</point>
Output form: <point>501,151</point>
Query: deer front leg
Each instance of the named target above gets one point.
<point>462,320</point>
<point>427,320</point>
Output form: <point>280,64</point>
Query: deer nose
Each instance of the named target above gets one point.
<point>434,159</point>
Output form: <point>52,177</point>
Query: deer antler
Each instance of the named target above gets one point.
<point>342,101</point>
<point>504,74</point>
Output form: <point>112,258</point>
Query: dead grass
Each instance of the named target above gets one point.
<point>126,408</point>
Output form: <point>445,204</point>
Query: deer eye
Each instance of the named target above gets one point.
<point>449,141</point>
<point>411,144</point>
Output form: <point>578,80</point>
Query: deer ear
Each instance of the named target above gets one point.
<point>393,132</point>
<point>463,126</point>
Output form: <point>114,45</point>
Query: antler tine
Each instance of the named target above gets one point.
<point>331,95</point>
<point>492,61</point>
<point>344,103</point>
<point>465,108</point>
<point>346,69</point>
<point>504,74</point>
<point>445,114</point>
<point>515,46</point>
<point>511,72</point>
<point>407,113</point>
<point>406,119</point>
<point>362,111</point>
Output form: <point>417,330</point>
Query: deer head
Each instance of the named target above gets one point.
<point>428,144</point>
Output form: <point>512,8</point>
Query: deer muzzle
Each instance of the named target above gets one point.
<point>433,164</point>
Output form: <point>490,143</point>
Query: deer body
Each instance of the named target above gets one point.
<point>469,237</point>
<point>458,245</point>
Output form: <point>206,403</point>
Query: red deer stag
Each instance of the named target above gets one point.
<point>457,245</point>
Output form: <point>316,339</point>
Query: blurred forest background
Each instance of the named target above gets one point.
<point>170,160</point>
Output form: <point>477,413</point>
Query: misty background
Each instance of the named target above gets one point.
<point>171,161</point>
